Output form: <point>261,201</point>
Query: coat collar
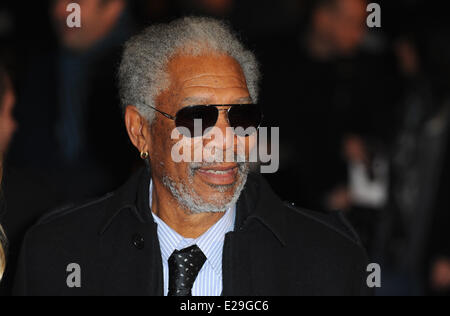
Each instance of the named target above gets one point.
<point>257,203</point>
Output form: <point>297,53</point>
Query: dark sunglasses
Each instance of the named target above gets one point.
<point>243,116</point>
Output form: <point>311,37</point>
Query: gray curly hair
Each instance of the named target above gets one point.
<point>142,72</point>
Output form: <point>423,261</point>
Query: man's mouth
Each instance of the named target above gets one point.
<point>219,175</point>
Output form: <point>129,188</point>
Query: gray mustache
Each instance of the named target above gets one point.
<point>199,165</point>
<point>219,157</point>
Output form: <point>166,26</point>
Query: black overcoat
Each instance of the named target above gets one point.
<point>276,249</point>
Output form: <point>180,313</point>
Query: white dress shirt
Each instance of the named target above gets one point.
<point>209,281</point>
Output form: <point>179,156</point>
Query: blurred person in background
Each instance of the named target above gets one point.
<point>414,235</point>
<point>337,28</point>
<point>17,213</point>
<point>68,107</point>
<point>98,19</point>
<point>335,107</point>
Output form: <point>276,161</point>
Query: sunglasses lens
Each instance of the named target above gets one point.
<point>187,117</point>
<point>245,116</point>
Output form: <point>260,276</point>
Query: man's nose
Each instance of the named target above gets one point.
<point>225,139</point>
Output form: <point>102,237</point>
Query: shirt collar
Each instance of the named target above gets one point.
<point>211,243</point>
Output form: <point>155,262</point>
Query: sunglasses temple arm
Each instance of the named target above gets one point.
<point>167,115</point>
<point>170,117</point>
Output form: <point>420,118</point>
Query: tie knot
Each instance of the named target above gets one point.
<point>184,267</point>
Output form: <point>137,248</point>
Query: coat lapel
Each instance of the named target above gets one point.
<point>257,223</point>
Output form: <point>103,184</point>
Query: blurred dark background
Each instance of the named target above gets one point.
<point>363,112</point>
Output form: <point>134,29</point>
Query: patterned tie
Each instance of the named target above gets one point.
<point>184,266</point>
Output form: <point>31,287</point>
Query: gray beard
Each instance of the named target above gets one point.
<point>185,194</point>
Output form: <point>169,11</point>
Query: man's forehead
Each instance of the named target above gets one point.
<point>206,100</point>
<point>206,69</point>
<point>206,79</point>
<point>207,95</point>
<point>220,81</point>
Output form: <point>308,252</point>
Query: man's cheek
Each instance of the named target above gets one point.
<point>247,148</point>
<point>185,149</point>
<point>252,144</point>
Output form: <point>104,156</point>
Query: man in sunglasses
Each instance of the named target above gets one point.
<point>191,228</point>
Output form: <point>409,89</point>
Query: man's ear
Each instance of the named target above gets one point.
<point>138,129</point>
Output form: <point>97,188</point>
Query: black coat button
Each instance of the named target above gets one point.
<point>138,241</point>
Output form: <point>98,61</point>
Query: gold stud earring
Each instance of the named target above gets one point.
<point>144,155</point>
